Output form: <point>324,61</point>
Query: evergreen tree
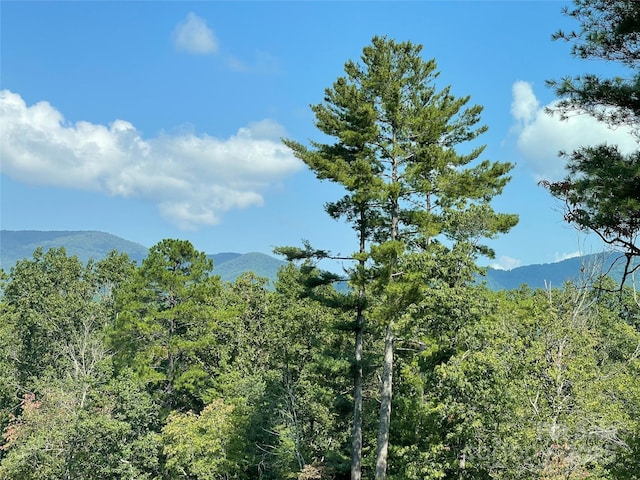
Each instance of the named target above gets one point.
<point>602,190</point>
<point>408,189</point>
<point>280,367</point>
<point>164,321</point>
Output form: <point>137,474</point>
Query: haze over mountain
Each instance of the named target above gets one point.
<point>554,275</point>
<point>17,245</point>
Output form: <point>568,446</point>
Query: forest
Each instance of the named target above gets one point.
<point>112,369</point>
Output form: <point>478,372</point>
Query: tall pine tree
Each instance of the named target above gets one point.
<point>408,191</point>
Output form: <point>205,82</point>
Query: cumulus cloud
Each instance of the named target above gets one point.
<point>525,105</point>
<point>540,136</point>
<point>193,179</point>
<point>506,263</point>
<point>194,36</point>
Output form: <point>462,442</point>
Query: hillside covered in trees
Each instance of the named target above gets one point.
<point>161,370</point>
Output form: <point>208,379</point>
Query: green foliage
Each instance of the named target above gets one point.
<point>8,370</point>
<point>164,314</point>
<point>605,169</point>
<point>601,190</point>
<point>56,307</point>
<point>197,446</point>
<point>608,31</point>
<point>314,377</point>
<point>540,386</point>
<point>409,190</point>
<point>47,299</point>
<point>71,431</point>
<point>508,385</point>
<point>278,367</point>
<point>428,429</point>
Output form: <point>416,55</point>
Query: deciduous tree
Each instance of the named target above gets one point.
<point>540,385</point>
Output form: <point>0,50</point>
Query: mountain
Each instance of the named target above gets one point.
<point>259,263</point>
<point>220,258</point>
<point>555,274</point>
<point>17,245</point>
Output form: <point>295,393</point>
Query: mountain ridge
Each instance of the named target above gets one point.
<point>555,274</point>
<point>85,244</point>
<point>19,244</point>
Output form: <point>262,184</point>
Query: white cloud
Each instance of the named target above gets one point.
<point>194,36</point>
<point>506,263</point>
<point>192,178</point>
<point>558,257</point>
<point>525,105</point>
<point>541,136</point>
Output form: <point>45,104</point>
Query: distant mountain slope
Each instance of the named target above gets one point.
<point>258,263</point>
<point>555,274</point>
<point>17,245</point>
<point>220,258</point>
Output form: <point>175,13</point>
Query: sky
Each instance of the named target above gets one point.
<point>153,120</point>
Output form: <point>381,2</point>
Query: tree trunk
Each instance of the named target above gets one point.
<point>387,365</point>
<point>385,405</point>
<point>356,440</point>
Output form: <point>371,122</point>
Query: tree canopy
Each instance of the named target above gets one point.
<point>497,385</point>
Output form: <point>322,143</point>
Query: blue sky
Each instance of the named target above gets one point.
<point>154,120</point>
